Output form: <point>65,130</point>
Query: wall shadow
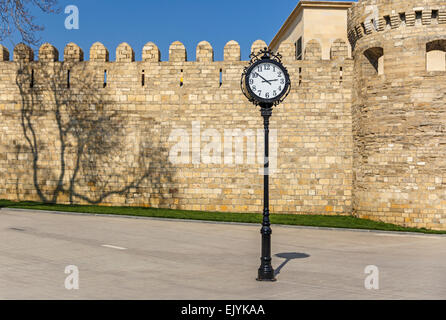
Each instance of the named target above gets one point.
<point>288,256</point>
<point>79,145</point>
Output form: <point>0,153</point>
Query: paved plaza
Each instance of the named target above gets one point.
<point>129,258</point>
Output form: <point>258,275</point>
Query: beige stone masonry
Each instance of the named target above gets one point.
<point>258,45</point>
<point>232,51</point>
<point>362,136</point>
<point>205,53</point>
<point>48,53</point>
<point>129,114</point>
<point>151,53</point>
<point>125,53</point>
<point>313,50</point>
<point>339,49</point>
<point>23,53</point>
<point>288,51</point>
<point>4,53</point>
<point>399,137</point>
<point>99,53</point>
<point>73,53</point>
<point>177,52</point>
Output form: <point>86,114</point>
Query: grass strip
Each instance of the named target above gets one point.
<point>348,222</point>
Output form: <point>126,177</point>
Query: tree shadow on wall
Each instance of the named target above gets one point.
<point>82,149</point>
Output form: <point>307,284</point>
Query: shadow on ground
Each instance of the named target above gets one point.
<point>288,256</point>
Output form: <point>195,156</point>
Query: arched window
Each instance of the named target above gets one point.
<point>375,60</point>
<point>436,55</point>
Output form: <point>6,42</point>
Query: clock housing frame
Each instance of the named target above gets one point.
<point>265,56</point>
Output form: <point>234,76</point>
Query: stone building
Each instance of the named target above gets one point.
<point>324,21</point>
<point>360,134</point>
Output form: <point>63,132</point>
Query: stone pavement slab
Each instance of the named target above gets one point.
<point>122,258</point>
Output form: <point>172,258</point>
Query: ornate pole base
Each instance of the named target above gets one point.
<point>266,271</point>
<point>266,275</point>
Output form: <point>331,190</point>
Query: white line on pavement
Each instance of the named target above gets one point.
<point>113,247</point>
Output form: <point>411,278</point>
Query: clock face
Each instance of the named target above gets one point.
<point>267,81</point>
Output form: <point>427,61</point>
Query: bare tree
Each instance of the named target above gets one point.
<point>15,16</point>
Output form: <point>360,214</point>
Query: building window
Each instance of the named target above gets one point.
<point>403,18</point>
<point>436,55</point>
<point>375,60</point>
<point>418,17</point>
<point>388,22</point>
<point>299,49</point>
<point>434,17</point>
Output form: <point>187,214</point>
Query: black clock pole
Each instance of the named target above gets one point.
<point>266,271</point>
<point>266,102</point>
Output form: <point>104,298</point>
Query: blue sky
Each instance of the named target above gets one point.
<point>164,21</point>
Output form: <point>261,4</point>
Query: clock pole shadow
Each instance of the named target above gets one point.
<point>288,256</point>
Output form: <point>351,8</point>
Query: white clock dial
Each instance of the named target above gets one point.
<point>267,80</point>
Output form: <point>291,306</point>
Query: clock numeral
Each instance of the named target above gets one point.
<point>280,88</point>
<point>282,81</point>
<point>267,67</point>
<point>279,74</point>
<point>254,88</point>
<point>267,95</point>
<point>251,81</point>
<point>260,93</point>
<point>274,69</point>
<point>259,69</point>
<point>274,93</point>
<point>254,75</point>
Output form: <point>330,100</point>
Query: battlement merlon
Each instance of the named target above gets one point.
<point>177,52</point>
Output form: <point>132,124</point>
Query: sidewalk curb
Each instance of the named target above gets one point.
<point>396,233</point>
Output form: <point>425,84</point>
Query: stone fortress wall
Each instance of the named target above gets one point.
<point>398,111</point>
<point>98,131</point>
<point>361,136</point>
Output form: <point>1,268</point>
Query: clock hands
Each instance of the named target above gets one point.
<point>263,78</point>
<point>268,81</point>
